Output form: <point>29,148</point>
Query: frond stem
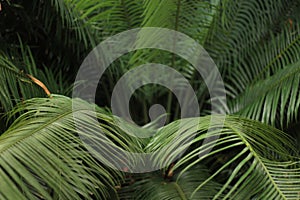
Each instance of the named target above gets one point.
<point>40,83</point>
<point>180,192</point>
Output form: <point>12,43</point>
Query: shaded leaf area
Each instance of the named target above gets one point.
<point>39,25</point>
<point>157,187</point>
<point>253,41</point>
<point>15,85</point>
<point>240,27</point>
<point>21,79</point>
<point>268,58</point>
<point>61,33</point>
<point>253,58</point>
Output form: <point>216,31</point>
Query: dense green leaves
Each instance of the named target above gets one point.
<point>44,140</point>
<point>15,85</point>
<point>271,99</point>
<point>41,155</point>
<point>16,82</point>
<point>262,157</point>
<point>156,187</point>
<point>55,150</point>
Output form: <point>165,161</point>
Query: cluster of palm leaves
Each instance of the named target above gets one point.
<point>255,153</point>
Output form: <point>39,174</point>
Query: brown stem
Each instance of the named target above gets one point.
<point>39,83</point>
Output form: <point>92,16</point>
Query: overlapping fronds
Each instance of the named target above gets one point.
<point>158,187</point>
<point>190,17</point>
<point>94,20</point>
<point>19,77</point>
<point>62,148</point>
<point>15,85</point>
<point>42,155</point>
<point>262,165</point>
<point>242,25</point>
<point>267,58</point>
<point>274,100</point>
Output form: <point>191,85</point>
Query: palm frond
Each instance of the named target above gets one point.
<point>240,26</point>
<point>157,187</point>
<point>123,15</point>
<point>71,18</point>
<point>42,155</point>
<point>274,100</point>
<point>94,20</point>
<point>17,72</point>
<point>262,165</point>
<point>192,18</point>
<point>266,59</point>
<point>15,85</point>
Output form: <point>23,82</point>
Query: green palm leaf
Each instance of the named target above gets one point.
<point>243,25</point>
<point>192,18</point>
<point>48,154</point>
<point>16,73</point>
<point>15,85</point>
<point>41,155</point>
<point>262,165</point>
<point>265,60</point>
<point>94,20</point>
<point>274,100</point>
<point>158,187</point>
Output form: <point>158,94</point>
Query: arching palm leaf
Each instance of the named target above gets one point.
<point>274,100</point>
<point>262,165</point>
<point>157,187</point>
<point>265,60</point>
<point>42,155</point>
<point>241,25</point>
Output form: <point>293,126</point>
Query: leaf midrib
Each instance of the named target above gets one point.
<point>278,56</point>
<point>257,157</point>
<point>38,129</point>
<point>180,191</point>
